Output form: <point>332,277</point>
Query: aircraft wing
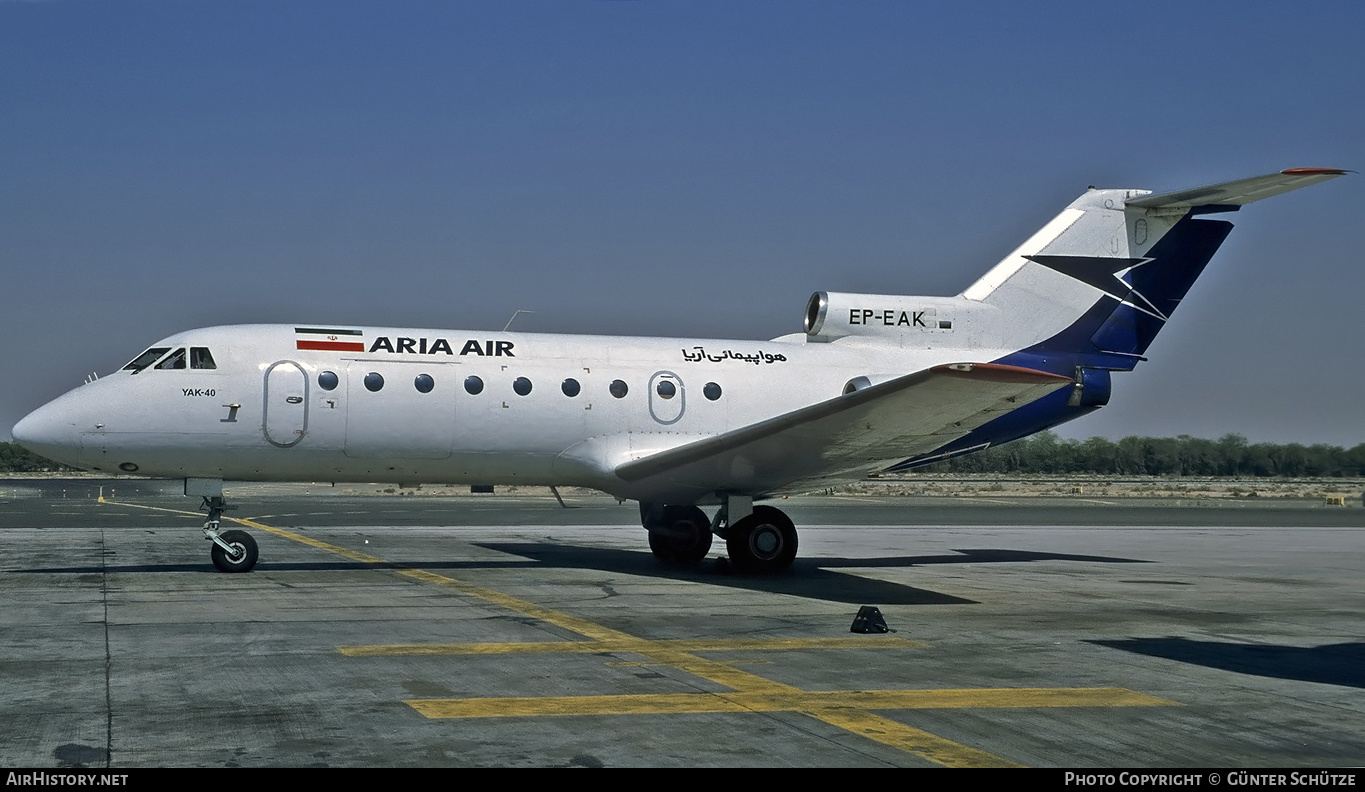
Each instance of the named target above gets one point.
<point>846,437</point>
<point>1240,192</point>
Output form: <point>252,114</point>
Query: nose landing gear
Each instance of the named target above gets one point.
<point>232,551</point>
<point>240,555</point>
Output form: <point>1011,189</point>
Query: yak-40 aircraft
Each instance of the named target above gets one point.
<point>876,382</point>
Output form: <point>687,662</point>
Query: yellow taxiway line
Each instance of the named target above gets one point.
<point>594,647</point>
<point>795,701</point>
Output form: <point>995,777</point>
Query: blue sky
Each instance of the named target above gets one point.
<point>669,168</point>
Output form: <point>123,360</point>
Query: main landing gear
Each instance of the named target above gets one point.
<point>764,543</point>
<point>232,551</point>
<point>761,543</point>
<point>677,534</point>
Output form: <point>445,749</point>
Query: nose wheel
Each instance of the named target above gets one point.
<point>232,551</point>
<point>239,555</point>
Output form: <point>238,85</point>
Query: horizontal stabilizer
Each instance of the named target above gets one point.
<point>1240,192</point>
<point>849,436</point>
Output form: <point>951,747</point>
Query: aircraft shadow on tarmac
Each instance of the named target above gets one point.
<point>1332,664</point>
<point>811,578</point>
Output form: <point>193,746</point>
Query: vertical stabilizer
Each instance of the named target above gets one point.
<point>1095,285</point>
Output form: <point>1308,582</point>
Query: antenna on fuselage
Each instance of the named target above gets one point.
<point>515,313</point>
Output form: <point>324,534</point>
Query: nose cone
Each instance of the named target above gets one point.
<point>47,431</point>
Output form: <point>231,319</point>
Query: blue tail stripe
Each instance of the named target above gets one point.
<point>1113,334</point>
<point>1177,260</point>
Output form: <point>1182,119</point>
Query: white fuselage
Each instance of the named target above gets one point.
<point>264,412</point>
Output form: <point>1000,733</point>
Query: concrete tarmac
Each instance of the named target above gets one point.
<point>509,632</point>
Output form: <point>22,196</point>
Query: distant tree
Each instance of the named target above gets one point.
<point>1098,455</point>
<point>1232,454</point>
<point>1229,455</point>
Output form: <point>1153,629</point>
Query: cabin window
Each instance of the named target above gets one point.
<point>473,385</point>
<point>570,387</point>
<point>201,358</point>
<point>711,391</point>
<point>618,389</point>
<point>175,360</point>
<point>424,383</point>
<point>522,386</point>
<point>146,359</point>
<point>328,380</point>
<point>666,389</point>
<point>374,381</point>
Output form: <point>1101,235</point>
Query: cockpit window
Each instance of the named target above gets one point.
<point>201,358</point>
<point>146,359</point>
<point>175,360</point>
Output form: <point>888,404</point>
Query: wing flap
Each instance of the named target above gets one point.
<point>848,436</point>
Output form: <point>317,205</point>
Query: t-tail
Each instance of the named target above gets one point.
<point>1086,295</point>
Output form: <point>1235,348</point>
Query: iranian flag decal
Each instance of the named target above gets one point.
<point>330,340</point>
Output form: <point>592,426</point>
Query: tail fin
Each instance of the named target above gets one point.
<point>1095,285</point>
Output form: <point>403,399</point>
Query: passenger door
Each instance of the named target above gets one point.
<point>285,414</point>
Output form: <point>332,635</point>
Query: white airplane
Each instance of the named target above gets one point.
<point>876,382</point>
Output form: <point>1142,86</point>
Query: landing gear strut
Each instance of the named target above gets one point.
<point>232,551</point>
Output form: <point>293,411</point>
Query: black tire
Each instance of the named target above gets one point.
<point>764,543</point>
<point>240,541</point>
<point>683,538</point>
